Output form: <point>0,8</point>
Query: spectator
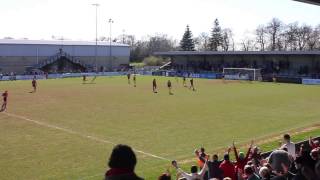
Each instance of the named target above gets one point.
<point>313,143</point>
<point>299,165</point>
<point>289,145</point>
<point>195,175</point>
<point>277,158</point>
<point>241,159</point>
<point>249,173</point>
<point>264,173</point>
<point>201,156</point>
<point>213,166</point>
<point>227,167</point>
<point>122,163</point>
<point>255,155</point>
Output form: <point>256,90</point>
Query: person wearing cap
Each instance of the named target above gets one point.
<point>227,167</point>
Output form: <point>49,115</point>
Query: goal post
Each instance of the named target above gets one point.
<point>250,74</point>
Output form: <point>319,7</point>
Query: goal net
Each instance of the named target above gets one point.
<point>250,74</point>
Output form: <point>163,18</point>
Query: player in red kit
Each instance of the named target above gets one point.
<point>5,99</point>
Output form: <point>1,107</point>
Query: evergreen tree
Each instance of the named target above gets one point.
<point>187,43</point>
<point>216,39</point>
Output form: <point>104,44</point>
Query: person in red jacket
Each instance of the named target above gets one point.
<point>241,160</point>
<point>227,167</point>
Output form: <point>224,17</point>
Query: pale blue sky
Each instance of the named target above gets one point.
<point>75,19</point>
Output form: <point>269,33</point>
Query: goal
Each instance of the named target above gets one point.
<point>250,74</point>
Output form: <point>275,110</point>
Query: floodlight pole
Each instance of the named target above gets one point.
<point>110,45</point>
<point>96,47</point>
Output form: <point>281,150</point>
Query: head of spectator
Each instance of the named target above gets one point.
<point>194,169</point>
<point>278,158</point>
<point>286,138</point>
<point>226,157</point>
<point>268,166</point>
<point>122,156</point>
<point>227,178</point>
<point>241,155</point>
<point>248,171</point>
<point>122,162</point>
<point>264,172</point>
<point>215,157</point>
<point>202,150</point>
<point>316,143</point>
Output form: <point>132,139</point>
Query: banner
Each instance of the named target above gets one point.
<point>311,81</point>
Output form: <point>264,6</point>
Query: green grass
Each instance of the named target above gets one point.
<point>160,124</point>
<point>296,138</point>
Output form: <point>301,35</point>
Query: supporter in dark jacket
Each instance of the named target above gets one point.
<point>299,165</point>
<point>214,170</point>
<point>122,163</point>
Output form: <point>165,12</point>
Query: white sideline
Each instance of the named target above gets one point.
<point>79,134</point>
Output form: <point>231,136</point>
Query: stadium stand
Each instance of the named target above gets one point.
<point>280,164</point>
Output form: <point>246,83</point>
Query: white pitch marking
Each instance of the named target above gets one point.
<point>79,134</point>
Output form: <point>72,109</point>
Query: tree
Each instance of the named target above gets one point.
<point>247,44</point>
<point>274,29</point>
<point>202,42</point>
<point>216,36</point>
<point>227,40</point>
<point>290,35</point>
<point>303,36</point>
<point>261,33</point>
<point>314,39</point>
<point>187,43</point>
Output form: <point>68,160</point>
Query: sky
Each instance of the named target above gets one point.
<point>75,19</point>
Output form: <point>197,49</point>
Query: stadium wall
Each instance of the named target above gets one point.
<point>17,56</point>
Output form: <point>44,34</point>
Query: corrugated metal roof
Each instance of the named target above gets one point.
<point>203,53</point>
<point>58,42</point>
<point>316,2</point>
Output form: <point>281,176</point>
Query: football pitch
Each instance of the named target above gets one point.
<point>66,130</point>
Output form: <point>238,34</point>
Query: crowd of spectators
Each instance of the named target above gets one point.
<point>285,163</point>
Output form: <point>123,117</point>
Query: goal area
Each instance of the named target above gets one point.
<point>249,74</point>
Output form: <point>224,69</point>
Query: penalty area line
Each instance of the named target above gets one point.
<point>69,131</point>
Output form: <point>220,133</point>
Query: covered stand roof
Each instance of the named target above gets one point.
<point>316,2</point>
<point>208,53</point>
<point>59,42</point>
